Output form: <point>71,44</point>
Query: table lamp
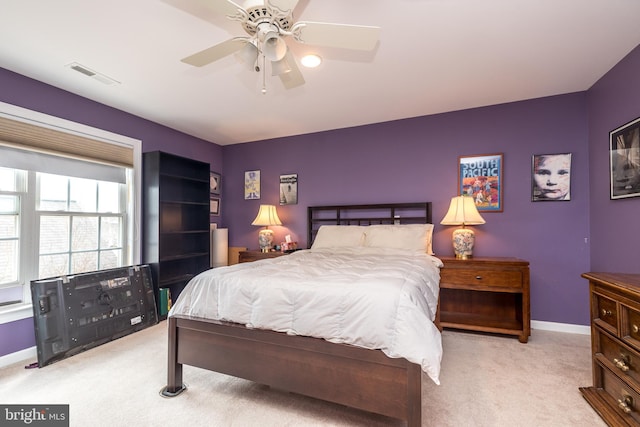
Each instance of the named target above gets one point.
<point>463,211</point>
<point>267,216</point>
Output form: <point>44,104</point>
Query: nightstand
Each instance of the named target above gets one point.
<point>486,295</point>
<point>248,256</point>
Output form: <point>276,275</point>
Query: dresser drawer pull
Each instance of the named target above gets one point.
<point>606,312</point>
<point>478,277</point>
<point>625,404</point>
<point>635,329</point>
<point>622,363</point>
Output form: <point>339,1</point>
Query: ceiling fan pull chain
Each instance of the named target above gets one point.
<point>264,78</point>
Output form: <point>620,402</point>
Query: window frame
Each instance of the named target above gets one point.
<point>14,312</point>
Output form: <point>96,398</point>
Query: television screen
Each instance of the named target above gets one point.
<point>77,312</point>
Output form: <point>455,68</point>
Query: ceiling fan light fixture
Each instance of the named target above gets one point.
<point>273,47</point>
<point>249,55</point>
<point>311,60</point>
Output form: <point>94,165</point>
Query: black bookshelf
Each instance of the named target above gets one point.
<point>175,241</point>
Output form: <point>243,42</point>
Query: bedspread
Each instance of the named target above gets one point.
<point>376,298</point>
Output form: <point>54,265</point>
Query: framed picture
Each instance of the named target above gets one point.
<point>481,178</point>
<point>551,177</point>
<point>624,160</point>
<point>214,206</point>
<point>252,185</point>
<point>289,189</point>
<point>215,183</point>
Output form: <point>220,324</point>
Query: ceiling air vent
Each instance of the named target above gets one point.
<point>93,74</point>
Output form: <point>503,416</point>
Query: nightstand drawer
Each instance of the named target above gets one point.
<point>472,278</point>
<point>250,256</point>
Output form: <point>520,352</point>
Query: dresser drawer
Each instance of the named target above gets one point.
<point>630,328</point>
<point>622,360</point>
<point>479,277</point>
<point>624,399</point>
<point>605,313</point>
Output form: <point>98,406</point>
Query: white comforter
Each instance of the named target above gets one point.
<point>369,297</point>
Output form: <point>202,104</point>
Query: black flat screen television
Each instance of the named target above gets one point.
<point>77,312</point>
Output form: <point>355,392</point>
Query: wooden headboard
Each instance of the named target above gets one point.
<point>387,213</point>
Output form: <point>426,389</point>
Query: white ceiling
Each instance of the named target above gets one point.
<point>433,56</point>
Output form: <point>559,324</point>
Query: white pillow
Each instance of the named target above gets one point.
<point>339,236</point>
<point>407,236</point>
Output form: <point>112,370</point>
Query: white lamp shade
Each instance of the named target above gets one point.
<point>462,211</point>
<point>267,216</point>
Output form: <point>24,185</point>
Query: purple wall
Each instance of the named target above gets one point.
<point>27,93</point>
<point>615,224</point>
<point>416,160</point>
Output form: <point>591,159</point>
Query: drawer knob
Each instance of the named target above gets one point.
<point>478,277</point>
<point>622,363</point>
<point>606,312</point>
<point>635,329</point>
<point>625,404</point>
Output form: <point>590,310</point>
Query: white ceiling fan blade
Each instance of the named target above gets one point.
<point>223,7</point>
<point>204,8</point>
<point>216,52</point>
<point>294,77</point>
<point>359,37</point>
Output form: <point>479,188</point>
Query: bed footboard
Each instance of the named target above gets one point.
<point>348,375</point>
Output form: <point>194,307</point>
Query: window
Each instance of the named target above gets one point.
<point>61,225</point>
<point>82,225</point>
<point>11,193</point>
<point>69,202</point>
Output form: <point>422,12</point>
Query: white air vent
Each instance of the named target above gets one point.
<point>91,73</point>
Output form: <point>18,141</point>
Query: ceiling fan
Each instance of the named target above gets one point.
<point>267,24</point>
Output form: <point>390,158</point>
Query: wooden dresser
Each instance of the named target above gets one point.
<point>487,295</point>
<point>615,342</point>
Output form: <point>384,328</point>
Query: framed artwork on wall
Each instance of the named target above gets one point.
<point>480,177</point>
<point>252,185</point>
<point>214,206</point>
<point>215,183</point>
<point>289,189</point>
<point>551,177</point>
<point>624,160</point>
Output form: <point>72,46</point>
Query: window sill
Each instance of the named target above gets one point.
<point>15,312</point>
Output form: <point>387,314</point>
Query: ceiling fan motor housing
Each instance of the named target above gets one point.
<point>259,13</point>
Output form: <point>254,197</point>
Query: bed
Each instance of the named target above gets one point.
<point>341,369</point>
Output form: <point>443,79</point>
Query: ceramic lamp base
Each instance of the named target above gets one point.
<point>265,240</point>
<point>463,241</point>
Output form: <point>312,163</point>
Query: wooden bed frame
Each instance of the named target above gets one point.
<point>344,374</point>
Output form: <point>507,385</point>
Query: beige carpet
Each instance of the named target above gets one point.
<point>486,381</point>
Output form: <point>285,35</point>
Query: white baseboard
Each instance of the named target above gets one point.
<point>561,327</point>
<point>28,355</point>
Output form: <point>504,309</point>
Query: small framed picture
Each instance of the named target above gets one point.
<point>289,189</point>
<point>624,160</point>
<point>214,206</point>
<point>481,178</point>
<point>551,177</point>
<point>252,185</point>
<point>215,183</point>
